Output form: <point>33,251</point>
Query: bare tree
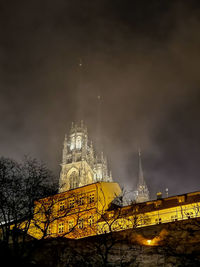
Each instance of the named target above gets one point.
<point>21,184</point>
<point>55,209</point>
<point>110,222</point>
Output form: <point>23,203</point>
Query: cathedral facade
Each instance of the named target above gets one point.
<point>81,164</point>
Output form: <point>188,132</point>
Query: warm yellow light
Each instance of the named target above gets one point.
<point>149,242</point>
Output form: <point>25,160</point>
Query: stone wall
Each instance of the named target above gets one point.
<point>172,244</point>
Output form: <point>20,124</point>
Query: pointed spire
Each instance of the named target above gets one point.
<point>142,189</point>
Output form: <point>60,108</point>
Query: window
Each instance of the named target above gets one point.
<point>61,205</point>
<point>81,223</point>
<point>174,218</point>
<point>78,142</point>
<point>158,220</point>
<point>91,220</point>
<point>71,203</point>
<point>158,203</point>
<point>81,200</point>
<point>72,145</point>
<point>73,180</point>
<point>189,214</point>
<point>91,198</point>
<point>61,228</point>
<point>71,225</point>
<point>181,199</point>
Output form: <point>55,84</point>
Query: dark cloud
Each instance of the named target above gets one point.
<point>141,57</point>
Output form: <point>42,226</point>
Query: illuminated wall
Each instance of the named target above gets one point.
<point>84,212</point>
<point>74,213</point>
<point>156,212</point>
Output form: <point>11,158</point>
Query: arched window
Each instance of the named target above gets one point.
<point>78,142</point>
<point>72,145</point>
<point>73,179</point>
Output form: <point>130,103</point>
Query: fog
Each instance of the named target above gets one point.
<point>141,58</point>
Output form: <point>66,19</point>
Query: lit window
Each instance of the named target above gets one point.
<point>71,225</point>
<point>174,217</point>
<point>158,220</point>
<point>81,200</point>
<point>72,145</point>
<point>91,198</point>
<point>73,179</point>
<point>181,199</point>
<point>78,142</point>
<point>61,205</point>
<point>158,203</point>
<point>71,203</point>
<point>81,224</point>
<point>189,214</point>
<point>61,228</point>
<point>91,220</point>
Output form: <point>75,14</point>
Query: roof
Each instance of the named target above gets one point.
<point>154,205</point>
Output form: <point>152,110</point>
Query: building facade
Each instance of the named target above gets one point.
<point>86,203</point>
<point>81,164</point>
<point>74,213</point>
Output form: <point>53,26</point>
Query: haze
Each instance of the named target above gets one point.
<point>143,60</point>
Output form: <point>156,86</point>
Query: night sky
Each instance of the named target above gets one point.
<point>142,57</point>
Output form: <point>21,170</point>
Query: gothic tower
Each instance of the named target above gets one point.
<point>142,192</point>
<point>80,165</point>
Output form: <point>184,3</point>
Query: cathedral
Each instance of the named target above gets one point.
<point>81,165</point>
<point>88,201</point>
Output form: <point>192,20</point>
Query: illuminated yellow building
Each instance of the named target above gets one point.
<point>164,210</point>
<point>88,210</point>
<point>74,213</point>
<point>85,204</point>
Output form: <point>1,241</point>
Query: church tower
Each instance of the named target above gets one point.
<point>80,165</point>
<point>142,192</point>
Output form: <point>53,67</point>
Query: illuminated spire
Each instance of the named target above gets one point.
<point>142,189</point>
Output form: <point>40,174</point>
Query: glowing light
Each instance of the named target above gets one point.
<point>149,242</point>
<point>154,241</point>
